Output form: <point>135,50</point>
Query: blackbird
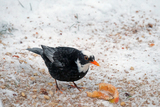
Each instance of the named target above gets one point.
<point>65,63</point>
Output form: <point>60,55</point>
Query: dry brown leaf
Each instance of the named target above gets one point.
<point>15,56</point>
<point>106,92</point>
<point>152,44</point>
<point>43,91</point>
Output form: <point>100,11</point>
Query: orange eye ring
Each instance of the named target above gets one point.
<point>86,57</point>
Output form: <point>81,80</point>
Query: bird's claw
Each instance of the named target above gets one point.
<point>57,89</point>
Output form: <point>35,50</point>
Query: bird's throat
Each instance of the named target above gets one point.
<point>82,68</point>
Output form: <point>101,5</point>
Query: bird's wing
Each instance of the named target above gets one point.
<point>48,52</point>
<point>62,57</point>
<point>59,56</point>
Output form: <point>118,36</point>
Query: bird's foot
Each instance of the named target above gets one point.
<point>58,90</point>
<point>79,88</point>
<point>75,86</point>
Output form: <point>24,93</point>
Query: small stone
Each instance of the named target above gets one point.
<point>42,70</point>
<point>131,68</point>
<point>143,36</point>
<point>3,87</point>
<point>34,104</point>
<point>46,97</point>
<point>35,74</point>
<point>23,94</point>
<point>51,93</point>
<point>132,93</point>
<point>34,90</point>
<point>32,78</point>
<point>90,77</point>
<point>52,104</point>
<point>150,25</point>
<point>153,103</point>
<point>44,102</point>
<point>50,84</point>
<point>20,61</point>
<point>8,53</point>
<point>25,62</point>
<point>35,55</point>
<point>34,96</point>
<point>123,104</point>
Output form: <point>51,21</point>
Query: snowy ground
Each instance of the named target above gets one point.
<point>124,36</point>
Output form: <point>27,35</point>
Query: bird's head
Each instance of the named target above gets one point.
<point>88,58</point>
<point>84,60</point>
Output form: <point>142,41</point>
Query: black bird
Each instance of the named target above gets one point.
<point>65,63</point>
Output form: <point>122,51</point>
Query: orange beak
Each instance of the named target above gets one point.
<point>95,63</point>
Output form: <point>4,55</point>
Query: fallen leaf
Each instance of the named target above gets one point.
<point>43,91</point>
<point>152,44</point>
<point>106,92</point>
<point>15,56</point>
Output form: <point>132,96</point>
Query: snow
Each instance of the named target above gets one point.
<point>116,32</point>
<point>1,104</point>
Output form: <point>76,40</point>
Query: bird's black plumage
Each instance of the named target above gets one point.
<point>62,62</point>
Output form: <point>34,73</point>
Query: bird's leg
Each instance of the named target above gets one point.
<point>57,88</point>
<point>75,85</point>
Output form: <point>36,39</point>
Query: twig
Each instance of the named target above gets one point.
<point>71,26</point>
<point>30,7</point>
<point>20,3</point>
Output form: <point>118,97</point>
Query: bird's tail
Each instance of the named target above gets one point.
<point>36,50</point>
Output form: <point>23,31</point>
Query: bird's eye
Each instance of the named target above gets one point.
<point>86,57</point>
